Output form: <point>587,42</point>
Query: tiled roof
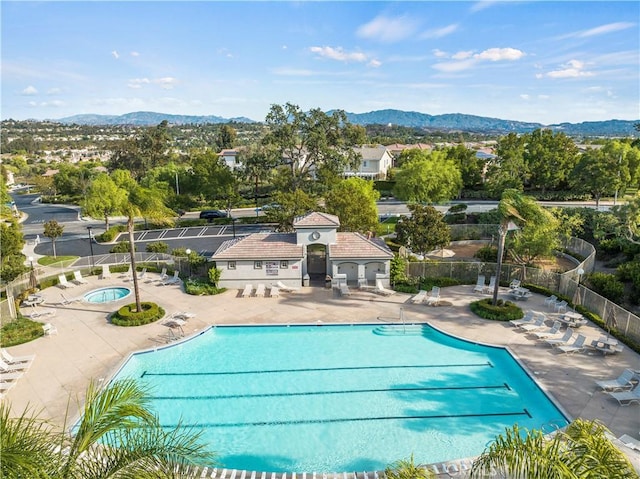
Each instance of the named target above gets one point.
<point>260,246</point>
<point>316,220</point>
<point>355,245</point>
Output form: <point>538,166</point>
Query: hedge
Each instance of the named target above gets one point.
<point>128,316</point>
<point>502,311</point>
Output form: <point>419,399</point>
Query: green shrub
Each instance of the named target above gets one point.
<point>606,285</point>
<point>457,208</point>
<point>610,246</point>
<point>502,311</point>
<point>157,247</point>
<point>121,247</point>
<point>20,331</point>
<point>488,254</point>
<point>128,316</point>
<point>200,288</point>
<point>111,234</point>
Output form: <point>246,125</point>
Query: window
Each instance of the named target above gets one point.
<point>257,265</point>
<point>231,265</point>
<point>364,163</point>
<point>284,264</point>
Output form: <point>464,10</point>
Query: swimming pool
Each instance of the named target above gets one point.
<point>107,295</point>
<point>340,398</point>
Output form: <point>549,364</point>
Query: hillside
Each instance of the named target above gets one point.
<point>447,122</point>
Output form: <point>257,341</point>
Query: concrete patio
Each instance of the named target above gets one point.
<point>87,347</point>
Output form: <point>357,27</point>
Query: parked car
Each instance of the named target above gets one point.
<point>271,206</point>
<point>212,214</point>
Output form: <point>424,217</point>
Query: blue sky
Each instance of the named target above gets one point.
<point>541,61</point>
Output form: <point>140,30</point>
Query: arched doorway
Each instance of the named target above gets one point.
<point>317,262</point>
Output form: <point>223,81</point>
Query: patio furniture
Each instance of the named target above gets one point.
<point>621,383</point>
<point>479,287</point>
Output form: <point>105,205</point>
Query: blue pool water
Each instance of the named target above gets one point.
<point>107,295</point>
<point>340,398</point>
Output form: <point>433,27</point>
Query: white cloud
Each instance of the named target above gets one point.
<point>166,83</point>
<point>30,91</point>
<point>571,69</point>
<point>468,59</point>
<point>134,54</point>
<point>543,97</point>
<point>476,7</point>
<point>375,63</point>
<point>524,96</point>
<point>52,104</point>
<point>115,54</point>
<point>138,82</point>
<point>388,29</point>
<point>604,29</point>
<point>439,53</point>
<point>498,54</point>
<point>440,32</point>
<point>339,54</point>
<point>462,55</point>
<point>292,72</point>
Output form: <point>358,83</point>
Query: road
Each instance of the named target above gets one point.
<point>205,240</point>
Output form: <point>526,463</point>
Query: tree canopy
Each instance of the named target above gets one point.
<point>354,202</point>
<point>428,178</point>
<point>424,230</point>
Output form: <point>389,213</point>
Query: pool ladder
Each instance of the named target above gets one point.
<point>401,330</point>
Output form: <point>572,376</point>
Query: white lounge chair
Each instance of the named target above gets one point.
<point>274,292</point>
<point>625,398</point>
<point>363,284</point>
<point>620,383</point>
<point>38,313</point>
<point>492,284</point>
<point>248,289</point>
<point>173,279</point>
<point>380,289</point>
<point>576,346</point>
<point>77,277</point>
<point>527,318</point>
<point>344,290</point>
<point>434,297</point>
<point>560,306</point>
<point>551,300</point>
<point>479,287</point>
<point>63,283</point>
<point>127,274</point>
<point>7,377</point>
<point>560,341</point>
<point>66,300</point>
<point>49,329</point>
<point>10,359</point>
<point>549,333</point>
<point>163,276</point>
<point>11,368</point>
<point>142,274</point>
<point>419,297</point>
<point>285,288</point>
<point>106,272</point>
<point>260,289</point>
<point>534,325</point>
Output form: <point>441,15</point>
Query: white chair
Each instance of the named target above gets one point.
<point>246,292</point>
<point>434,296</point>
<point>620,383</point>
<point>66,300</point>
<point>106,272</point>
<point>560,341</point>
<point>260,290</point>
<point>380,289</point>
<point>143,274</point>
<point>173,279</point>
<point>515,283</point>
<point>10,359</point>
<point>49,329</point>
<point>344,290</point>
<point>552,331</point>
<point>12,368</point>
<point>274,292</point>
<point>560,307</point>
<point>577,345</point>
<point>534,325</point>
<point>77,277</point>
<point>551,300</point>
<point>479,287</point>
<point>630,442</point>
<point>527,318</point>
<point>285,288</point>
<point>419,297</point>
<point>492,284</point>
<point>63,283</point>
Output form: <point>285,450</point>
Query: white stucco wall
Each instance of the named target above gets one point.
<point>245,272</point>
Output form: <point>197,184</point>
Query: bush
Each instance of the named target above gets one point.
<point>200,288</point>
<point>121,247</point>
<point>457,208</point>
<point>606,285</point>
<point>109,235</point>
<point>488,254</point>
<point>128,316</point>
<point>609,246</point>
<point>20,331</point>
<point>157,247</point>
<point>502,311</point>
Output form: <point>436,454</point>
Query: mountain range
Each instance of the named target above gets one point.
<point>447,122</point>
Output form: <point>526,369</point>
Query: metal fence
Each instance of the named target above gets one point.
<point>473,232</point>
<point>567,283</point>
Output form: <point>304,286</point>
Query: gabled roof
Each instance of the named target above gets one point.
<point>372,153</point>
<point>316,220</point>
<point>356,245</point>
<point>260,246</point>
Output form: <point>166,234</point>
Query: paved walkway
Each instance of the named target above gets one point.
<point>88,347</point>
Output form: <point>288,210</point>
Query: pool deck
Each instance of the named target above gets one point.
<point>88,347</point>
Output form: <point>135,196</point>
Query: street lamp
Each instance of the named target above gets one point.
<point>502,234</point>
<point>188,251</point>
<point>89,228</point>
<point>31,261</point>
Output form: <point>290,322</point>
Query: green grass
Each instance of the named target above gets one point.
<point>387,226</point>
<point>20,331</point>
<point>49,260</point>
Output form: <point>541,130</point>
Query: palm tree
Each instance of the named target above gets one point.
<point>117,437</point>
<point>407,469</point>
<point>582,451</point>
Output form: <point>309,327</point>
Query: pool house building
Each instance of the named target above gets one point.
<point>315,250</point>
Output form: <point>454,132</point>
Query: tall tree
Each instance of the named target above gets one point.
<point>550,157</point>
<point>135,201</point>
<point>53,230</point>
<point>257,163</point>
<point>354,202</point>
<point>117,436</point>
<point>139,155</point>
<point>596,174</point>
<point>308,142</point>
<point>509,169</point>
<point>428,178</point>
<point>470,166</point>
<point>226,137</point>
<point>290,205</point>
<point>11,244</point>
<point>103,197</point>
<point>424,230</point>
<point>210,178</point>
<point>582,451</point>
